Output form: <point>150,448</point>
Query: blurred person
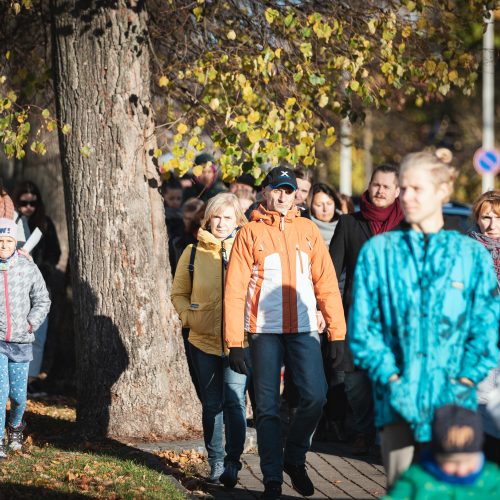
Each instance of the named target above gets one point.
<point>324,210</point>
<point>454,466</point>
<point>171,191</point>
<point>486,212</point>
<point>304,178</point>
<point>425,315</point>
<point>380,212</point>
<point>278,271</point>
<point>346,204</point>
<point>243,185</point>
<point>207,184</point>
<point>192,212</point>
<point>28,201</point>
<point>24,302</point>
<point>198,297</point>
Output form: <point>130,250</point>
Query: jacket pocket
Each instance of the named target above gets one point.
<point>462,394</point>
<point>200,317</point>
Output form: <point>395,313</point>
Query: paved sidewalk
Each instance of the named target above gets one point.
<point>334,472</point>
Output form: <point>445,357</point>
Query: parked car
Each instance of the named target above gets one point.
<point>457,215</point>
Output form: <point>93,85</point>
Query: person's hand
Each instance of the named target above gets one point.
<point>336,352</point>
<point>237,360</point>
<point>25,253</point>
<point>394,377</point>
<point>321,321</point>
<point>466,381</point>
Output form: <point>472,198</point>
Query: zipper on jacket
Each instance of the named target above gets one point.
<point>222,260</point>
<point>289,273</point>
<point>7,305</point>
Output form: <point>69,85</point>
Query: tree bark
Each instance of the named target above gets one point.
<point>133,380</point>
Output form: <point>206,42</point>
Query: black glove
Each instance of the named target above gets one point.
<point>237,360</point>
<point>336,353</point>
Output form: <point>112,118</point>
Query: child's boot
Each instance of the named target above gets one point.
<point>15,436</point>
<point>3,451</point>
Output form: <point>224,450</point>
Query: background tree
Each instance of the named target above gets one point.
<point>132,376</point>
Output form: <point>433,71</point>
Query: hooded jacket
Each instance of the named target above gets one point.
<point>278,271</point>
<point>199,304</point>
<point>24,300</point>
<point>427,308</point>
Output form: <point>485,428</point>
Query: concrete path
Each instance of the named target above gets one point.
<point>334,472</point>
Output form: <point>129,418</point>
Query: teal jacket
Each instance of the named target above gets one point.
<point>425,307</point>
<point>418,484</point>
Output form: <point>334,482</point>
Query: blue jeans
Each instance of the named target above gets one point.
<point>358,389</point>
<point>13,384</point>
<point>302,352</point>
<point>223,405</point>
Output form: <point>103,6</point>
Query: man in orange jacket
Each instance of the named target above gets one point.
<point>278,272</point>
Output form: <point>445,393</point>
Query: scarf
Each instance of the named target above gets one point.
<point>6,264</point>
<point>381,219</point>
<point>493,246</point>
<point>428,463</point>
<point>326,229</point>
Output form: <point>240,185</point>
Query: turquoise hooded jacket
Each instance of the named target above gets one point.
<point>427,308</point>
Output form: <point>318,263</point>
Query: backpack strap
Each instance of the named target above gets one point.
<point>191,262</point>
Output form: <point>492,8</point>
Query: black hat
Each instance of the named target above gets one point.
<point>203,158</point>
<point>456,430</point>
<point>280,176</point>
<point>247,179</point>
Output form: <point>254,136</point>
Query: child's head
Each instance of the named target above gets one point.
<point>8,237</point>
<point>171,191</point>
<point>457,440</point>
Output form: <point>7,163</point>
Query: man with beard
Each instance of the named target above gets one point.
<point>380,212</point>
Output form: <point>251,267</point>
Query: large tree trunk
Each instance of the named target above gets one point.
<point>132,376</point>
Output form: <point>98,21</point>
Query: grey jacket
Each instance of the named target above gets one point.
<point>24,300</point>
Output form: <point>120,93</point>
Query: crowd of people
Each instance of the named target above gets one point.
<point>384,319</point>
<point>378,326</point>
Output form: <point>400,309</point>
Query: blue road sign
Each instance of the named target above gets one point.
<point>487,161</point>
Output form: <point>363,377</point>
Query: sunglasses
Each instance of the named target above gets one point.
<point>24,203</point>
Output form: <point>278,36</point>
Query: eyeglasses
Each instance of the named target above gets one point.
<point>28,203</point>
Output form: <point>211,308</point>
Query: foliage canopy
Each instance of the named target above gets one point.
<point>268,80</point>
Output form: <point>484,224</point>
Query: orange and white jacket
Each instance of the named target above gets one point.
<point>278,271</point>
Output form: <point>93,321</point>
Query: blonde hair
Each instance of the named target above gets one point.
<point>438,165</point>
<point>218,203</point>
<point>487,201</point>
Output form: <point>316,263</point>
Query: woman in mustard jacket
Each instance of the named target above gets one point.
<point>198,297</point>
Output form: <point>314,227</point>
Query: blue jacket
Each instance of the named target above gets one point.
<point>425,307</point>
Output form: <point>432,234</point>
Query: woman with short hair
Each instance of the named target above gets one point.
<point>424,320</point>
<point>198,297</point>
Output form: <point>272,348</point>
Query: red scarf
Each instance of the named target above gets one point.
<point>381,219</point>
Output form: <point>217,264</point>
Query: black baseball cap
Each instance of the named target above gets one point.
<point>456,430</point>
<point>280,176</point>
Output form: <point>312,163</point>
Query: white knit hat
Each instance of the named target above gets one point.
<point>8,227</point>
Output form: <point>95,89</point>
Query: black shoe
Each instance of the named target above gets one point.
<point>272,491</point>
<point>300,479</point>
<point>15,436</point>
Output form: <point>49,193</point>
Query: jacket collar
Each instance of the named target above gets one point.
<point>272,218</point>
<point>208,240</point>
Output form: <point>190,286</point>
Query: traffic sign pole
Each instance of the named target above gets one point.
<point>488,97</point>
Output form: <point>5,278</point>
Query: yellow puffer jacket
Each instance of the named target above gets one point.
<point>200,306</point>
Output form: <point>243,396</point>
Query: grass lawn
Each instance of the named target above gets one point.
<point>55,464</point>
